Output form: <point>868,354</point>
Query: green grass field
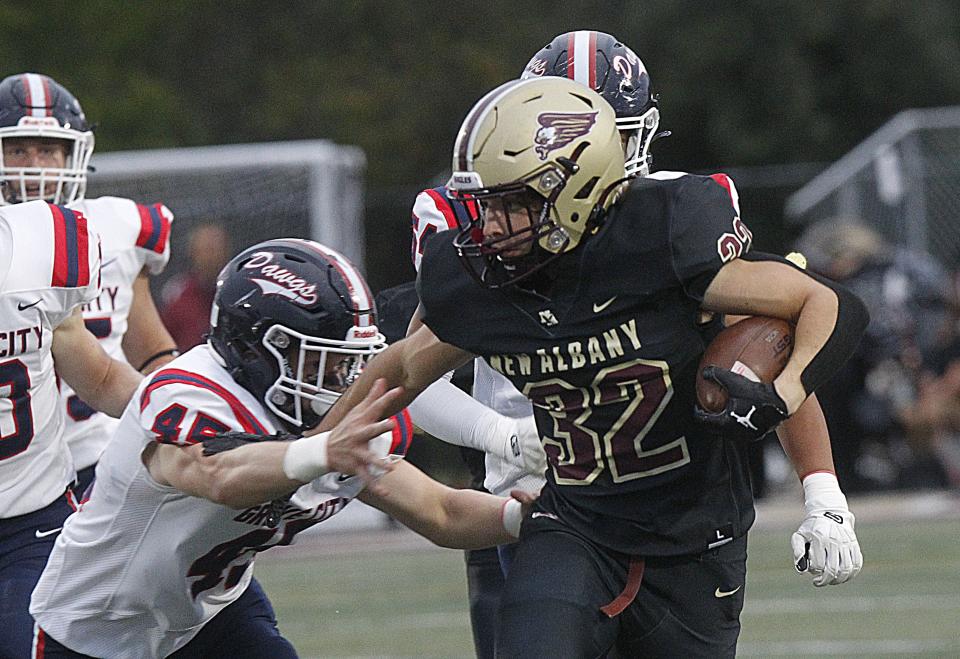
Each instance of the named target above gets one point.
<point>395,596</point>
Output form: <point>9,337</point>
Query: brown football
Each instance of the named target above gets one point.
<point>757,347</point>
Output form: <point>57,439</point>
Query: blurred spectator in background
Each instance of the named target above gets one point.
<point>187,296</point>
<point>895,406</point>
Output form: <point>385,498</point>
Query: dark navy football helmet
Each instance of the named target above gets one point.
<point>293,321</point>
<point>36,106</point>
<point>606,65</point>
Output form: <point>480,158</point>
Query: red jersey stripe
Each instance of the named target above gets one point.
<point>444,207</point>
<point>244,417</point>
<point>60,266</point>
<point>154,228</point>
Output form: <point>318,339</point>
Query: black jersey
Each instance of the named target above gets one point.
<point>609,360</point>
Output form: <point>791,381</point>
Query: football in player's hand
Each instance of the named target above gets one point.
<point>757,347</point>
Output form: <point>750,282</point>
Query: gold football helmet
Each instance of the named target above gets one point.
<point>546,146</point>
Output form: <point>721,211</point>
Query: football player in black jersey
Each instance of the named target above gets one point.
<point>586,290</point>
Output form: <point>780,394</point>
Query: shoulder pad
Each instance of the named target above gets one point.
<point>181,407</point>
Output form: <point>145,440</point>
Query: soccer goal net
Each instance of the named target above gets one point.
<point>307,189</point>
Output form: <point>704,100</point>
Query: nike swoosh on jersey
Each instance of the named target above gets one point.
<point>725,593</point>
<point>108,262</point>
<point>597,308</point>
<point>44,534</point>
<point>23,307</point>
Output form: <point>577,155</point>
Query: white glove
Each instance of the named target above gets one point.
<point>516,442</point>
<point>825,545</point>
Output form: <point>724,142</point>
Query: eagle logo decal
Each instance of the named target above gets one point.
<point>558,129</point>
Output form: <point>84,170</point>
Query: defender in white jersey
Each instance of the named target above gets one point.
<point>160,558</point>
<point>49,266</point>
<point>135,240</point>
<point>45,149</point>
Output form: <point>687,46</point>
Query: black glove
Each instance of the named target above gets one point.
<point>228,441</point>
<point>753,408</point>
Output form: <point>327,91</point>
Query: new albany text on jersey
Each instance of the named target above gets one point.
<point>596,349</point>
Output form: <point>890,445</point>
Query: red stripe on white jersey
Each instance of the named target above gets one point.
<point>59,247</point>
<point>83,250</point>
<point>444,207</point>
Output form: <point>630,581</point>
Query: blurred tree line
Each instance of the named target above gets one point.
<point>746,83</point>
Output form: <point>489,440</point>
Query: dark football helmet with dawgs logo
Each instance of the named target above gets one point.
<point>36,106</point>
<point>610,68</point>
<point>293,321</point>
<point>552,172</point>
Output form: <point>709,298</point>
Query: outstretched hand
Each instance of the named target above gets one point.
<point>526,499</point>
<point>348,450</point>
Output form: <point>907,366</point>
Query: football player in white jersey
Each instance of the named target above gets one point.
<point>49,267</point>
<point>159,559</point>
<point>46,146</point>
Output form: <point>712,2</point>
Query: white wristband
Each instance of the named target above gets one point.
<point>511,514</point>
<point>822,491</point>
<point>306,458</point>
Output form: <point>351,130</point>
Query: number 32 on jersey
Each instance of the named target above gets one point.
<point>603,426</point>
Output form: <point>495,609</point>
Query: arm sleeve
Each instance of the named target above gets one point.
<point>450,415</point>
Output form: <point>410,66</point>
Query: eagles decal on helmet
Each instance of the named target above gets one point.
<point>548,146</point>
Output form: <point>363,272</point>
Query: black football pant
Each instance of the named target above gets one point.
<point>551,604</point>
<point>484,585</point>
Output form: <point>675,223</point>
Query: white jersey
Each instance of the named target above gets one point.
<point>49,265</point>
<point>133,237</point>
<point>141,567</point>
<point>433,212</point>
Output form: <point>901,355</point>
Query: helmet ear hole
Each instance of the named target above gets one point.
<point>587,189</point>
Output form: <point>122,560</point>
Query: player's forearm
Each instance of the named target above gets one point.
<point>814,326</point>
<point>805,439</point>
<point>830,321</point>
<point>413,364</point>
<point>111,392</point>
<point>239,478</point>
<point>459,519</point>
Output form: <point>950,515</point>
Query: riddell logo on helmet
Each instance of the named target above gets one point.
<point>364,333</point>
<point>39,122</point>
<point>558,129</point>
<point>279,280</point>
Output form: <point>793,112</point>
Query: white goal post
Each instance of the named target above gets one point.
<point>310,189</point>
